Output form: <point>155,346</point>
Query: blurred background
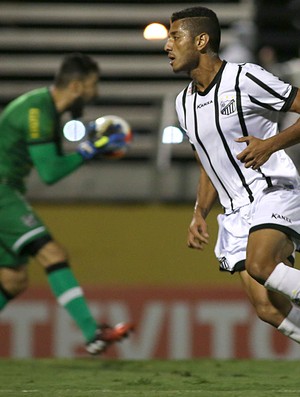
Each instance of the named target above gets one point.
<point>137,81</point>
<point>125,221</point>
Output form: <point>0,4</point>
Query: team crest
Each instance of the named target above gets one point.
<point>29,220</point>
<point>224,264</point>
<point>227,106</point>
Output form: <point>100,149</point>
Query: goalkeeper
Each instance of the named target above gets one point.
<point>30,136</point>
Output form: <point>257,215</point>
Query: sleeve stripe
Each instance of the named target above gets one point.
<point>290,100</point>
<point>264,86</point>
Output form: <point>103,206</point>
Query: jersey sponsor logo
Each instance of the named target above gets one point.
<point>283,217</point>
<point>227,106</point>
<point>204,104</point>
<point>34,122</point>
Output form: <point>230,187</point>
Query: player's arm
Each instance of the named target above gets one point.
<point>206,196</point>
<point>50,165</point>
<point>258,151</point>
<point>53,166</point>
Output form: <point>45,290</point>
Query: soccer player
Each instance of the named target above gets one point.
<point>30,136</point>
<point>229,112</point>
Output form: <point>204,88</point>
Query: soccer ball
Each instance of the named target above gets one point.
<point>111,124</point>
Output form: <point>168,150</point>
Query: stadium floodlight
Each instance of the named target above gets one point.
<point>155,31</point>
<point>74,130</point>
<point>172,134</point>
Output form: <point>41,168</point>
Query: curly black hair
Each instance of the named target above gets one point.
<point>199,20</point>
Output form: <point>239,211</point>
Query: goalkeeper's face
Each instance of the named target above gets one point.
<point>83,91</point>
<point>89,87</point>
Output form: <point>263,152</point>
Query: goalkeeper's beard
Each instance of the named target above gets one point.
<point>76,109</point>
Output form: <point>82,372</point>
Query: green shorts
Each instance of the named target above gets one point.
<point>19,225</point>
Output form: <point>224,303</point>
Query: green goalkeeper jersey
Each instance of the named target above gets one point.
<point>30,135</point>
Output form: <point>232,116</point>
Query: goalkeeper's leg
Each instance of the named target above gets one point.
<point>70,295</point>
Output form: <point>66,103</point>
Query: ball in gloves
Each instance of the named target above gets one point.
<point>110,124</point>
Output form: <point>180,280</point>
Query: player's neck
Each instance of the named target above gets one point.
<point>204,74</point>
<point>61,98</point>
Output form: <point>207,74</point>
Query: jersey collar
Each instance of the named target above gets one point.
<point>212,83</point>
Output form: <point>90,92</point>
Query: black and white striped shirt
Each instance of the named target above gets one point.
<point>242,100</point>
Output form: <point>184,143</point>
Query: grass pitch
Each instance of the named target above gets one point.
<point>154,378</point>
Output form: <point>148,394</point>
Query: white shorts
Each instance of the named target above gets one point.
<point>277,208</point>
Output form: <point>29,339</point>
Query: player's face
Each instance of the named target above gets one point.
<point>181,48</point>
<point>90,87</point>
<point>83,91</point>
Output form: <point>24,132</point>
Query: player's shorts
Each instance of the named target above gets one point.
<point>19,225</point>
<point>277,207</point>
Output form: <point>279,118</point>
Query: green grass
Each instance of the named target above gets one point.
<point>155,378</point>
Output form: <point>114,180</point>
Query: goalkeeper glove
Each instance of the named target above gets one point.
<point>102,145</point>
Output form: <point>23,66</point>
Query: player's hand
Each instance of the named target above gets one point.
<point>102,145</point>
<point>257,152</point>
<point>197,233</point>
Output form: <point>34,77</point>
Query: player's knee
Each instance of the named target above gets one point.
<point>260,266</point>
<point>256,271</point>
<point>16,285</point>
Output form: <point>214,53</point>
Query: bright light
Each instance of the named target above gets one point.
<point>172,134</point>
<point>155,31</point>
<point>74,130</point>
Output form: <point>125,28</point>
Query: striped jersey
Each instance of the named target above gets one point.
<point>242,100</point>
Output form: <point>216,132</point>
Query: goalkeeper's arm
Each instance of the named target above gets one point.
<point>51,166</point>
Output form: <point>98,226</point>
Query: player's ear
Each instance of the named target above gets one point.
<point>202,41</point>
